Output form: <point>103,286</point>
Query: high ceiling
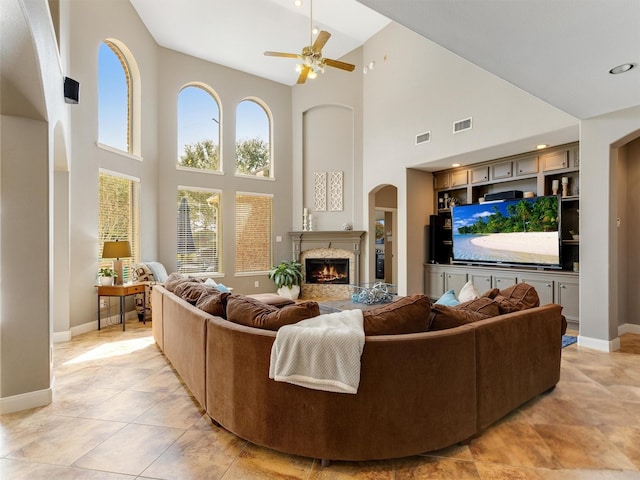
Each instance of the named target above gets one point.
<point>558,50</point>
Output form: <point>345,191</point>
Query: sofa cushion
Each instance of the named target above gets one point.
<point>491,293</point>
<point>174,280</point>
<point>213,301</point>
<point>520,296</point>
<point>483,305</point>
<point>253,313</point>
<point>405,315</point>
<point>448,298</point>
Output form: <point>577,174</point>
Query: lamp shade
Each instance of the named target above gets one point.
<point>116,249</point>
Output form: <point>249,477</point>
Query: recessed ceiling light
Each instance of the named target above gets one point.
<point>315,30</point>
<point>541,146</point>
<point>297,3</point>
<point>455,164</point>
<point>625,67</point>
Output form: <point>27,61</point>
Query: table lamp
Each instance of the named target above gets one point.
<point>117,250</point>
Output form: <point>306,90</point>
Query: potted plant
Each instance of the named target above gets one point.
<point>106,276</point>
<point>287,276</point>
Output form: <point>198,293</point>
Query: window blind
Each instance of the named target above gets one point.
<point>253,232</point>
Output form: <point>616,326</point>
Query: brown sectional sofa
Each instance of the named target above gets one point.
<point>418,392</point>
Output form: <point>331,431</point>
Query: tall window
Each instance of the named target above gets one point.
<point>114,98</point>
<point>198,230</point>
<point>119,216</point>
<point>253,232</point>
<point>198,129</point>
<point>253,134</point>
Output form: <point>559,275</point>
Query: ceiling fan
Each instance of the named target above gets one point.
<point>311,57</point>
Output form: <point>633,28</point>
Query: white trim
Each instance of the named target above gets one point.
<point>25,401</point>
<point>124,176</point>
<point>255,177</point>
<point>199,189</point>
<point>628,328</point>
<point>117,151</point>
<point>596,344</point>
<point>60,337</point>
<point>93,325</point>
<point>251,274</point>
<point>254,194</point>
<point>199,170</point>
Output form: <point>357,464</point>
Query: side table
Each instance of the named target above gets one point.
<point>121,291</point>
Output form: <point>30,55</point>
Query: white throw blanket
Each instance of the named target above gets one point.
<point>322,353</point>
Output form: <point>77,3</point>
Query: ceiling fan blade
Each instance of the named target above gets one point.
<point>303,75</point>
<point>338,64</point>
<point>281,54</point>
<point>321,39</point>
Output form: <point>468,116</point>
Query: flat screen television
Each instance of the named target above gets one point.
<point>523,231</point>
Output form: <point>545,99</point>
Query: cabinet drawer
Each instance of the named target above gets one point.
<point>527,166</point>
<point>502,170</point>
<point>555,161</point>
<point>479,175</point>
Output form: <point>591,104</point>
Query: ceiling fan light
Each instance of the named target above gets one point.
<point>299,67</point>
<point>312,74</point>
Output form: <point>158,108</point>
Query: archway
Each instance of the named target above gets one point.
<point>383,225</point>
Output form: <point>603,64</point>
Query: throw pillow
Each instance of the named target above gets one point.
<point>491,293</point>
<point>141,273</point>
<point>272,299</point>
<point>468,292</point>
<point>483,305</point>
<point>449,298</point>
<point>213,301</point>
<point>253,313</point>
<point>190,291</point>
<point>444,317</point>
<point>520,296</point>
<point>174,280</point>
<point>405,315</point>
<point>222,288</point>
<point>210,282</point>
<point>158,270</point>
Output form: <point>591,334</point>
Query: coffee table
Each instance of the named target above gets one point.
<point>338,305</point>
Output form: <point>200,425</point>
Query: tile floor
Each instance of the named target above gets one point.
<point>121,412</point>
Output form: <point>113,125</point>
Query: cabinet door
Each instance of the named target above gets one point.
<point>527,165</point>
<point>504,281</point>
<point>433,282</point>
<point>479,174</point>
<point>502,170</point>
<point>441,180</point>
<point>568,295</point>
<point>481,281</point>
<point>555,161</point>
<point>458,178</point>
<point>455,281</point>
<point>543,286</point>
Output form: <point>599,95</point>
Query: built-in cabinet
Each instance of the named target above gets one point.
<point>553,287</point>
<point>545,172</point>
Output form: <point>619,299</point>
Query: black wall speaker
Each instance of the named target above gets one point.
<point>437,250</point>
<point>71,90</point>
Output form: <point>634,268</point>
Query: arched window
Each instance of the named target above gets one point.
<point>253,139</point>
<point>198,129</point>
<point>114,98</point>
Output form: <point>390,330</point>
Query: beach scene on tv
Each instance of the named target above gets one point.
<point>513,231</point>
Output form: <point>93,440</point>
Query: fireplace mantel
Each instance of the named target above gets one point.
<point>344,239</point>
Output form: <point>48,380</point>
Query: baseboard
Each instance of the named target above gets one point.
<point>597,344</point>
<point>25,401</point>
<point>628,328</point>
<point>59,337</point>
<point>93,325</point>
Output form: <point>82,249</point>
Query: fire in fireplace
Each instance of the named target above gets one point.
<point>327,270</point>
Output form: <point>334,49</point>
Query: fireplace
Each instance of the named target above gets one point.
<point>333,271</point>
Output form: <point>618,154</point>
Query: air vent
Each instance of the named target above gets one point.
<point>423,138</point>
<point>462,125</point>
